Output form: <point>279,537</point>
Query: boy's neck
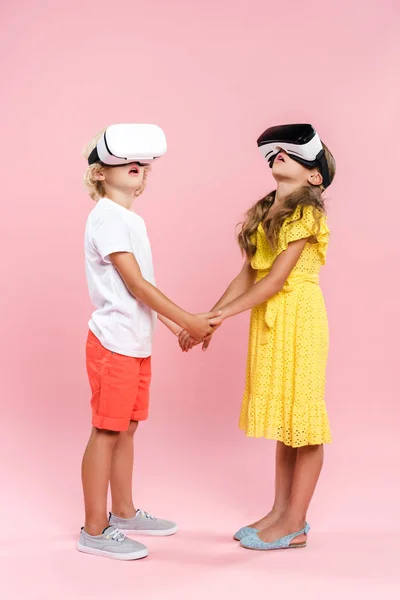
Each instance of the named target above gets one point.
<point>120,197</point>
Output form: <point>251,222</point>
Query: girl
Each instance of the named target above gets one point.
<point>284,238</point>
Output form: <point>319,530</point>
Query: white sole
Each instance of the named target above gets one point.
<point>126,556</point>
<point>154,532</point>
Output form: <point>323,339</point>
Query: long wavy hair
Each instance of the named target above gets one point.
<point>308,195</point>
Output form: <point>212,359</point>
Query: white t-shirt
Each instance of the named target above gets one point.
<point>121,323</point>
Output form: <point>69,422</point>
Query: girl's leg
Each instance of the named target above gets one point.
<point>121,474</point>
<point>96,467</point>
<point>307,470</point>
<point>285,462</point>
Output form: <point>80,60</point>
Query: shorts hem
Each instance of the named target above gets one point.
<point>140,415</point>
<point>110,424</point>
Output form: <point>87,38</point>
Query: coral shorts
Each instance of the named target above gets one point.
<point>120,386</point>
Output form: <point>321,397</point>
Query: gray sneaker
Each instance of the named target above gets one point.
<point>111,544</point>
<point>145,524</point>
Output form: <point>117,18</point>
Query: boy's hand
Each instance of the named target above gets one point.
<point>199,326</point>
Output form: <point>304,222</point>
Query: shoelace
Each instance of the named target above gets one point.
<point>116,536</point>
<point>143,513</point>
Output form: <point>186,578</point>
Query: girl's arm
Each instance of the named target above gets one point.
<point>269,285</point>
<point>240,284</point>
<point>176,329</point>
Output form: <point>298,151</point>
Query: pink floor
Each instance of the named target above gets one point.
<point>201,563</point>
<point>352,551</point>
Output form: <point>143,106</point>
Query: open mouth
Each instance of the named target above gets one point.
<point>134,170</point>
<point>280,158</point>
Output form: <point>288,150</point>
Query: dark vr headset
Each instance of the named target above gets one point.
<point>301,142</point>
<point>125,143</point>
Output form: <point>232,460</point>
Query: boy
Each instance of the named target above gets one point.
<point>118,353</point>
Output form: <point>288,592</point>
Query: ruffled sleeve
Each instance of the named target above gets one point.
<point>299,226</point>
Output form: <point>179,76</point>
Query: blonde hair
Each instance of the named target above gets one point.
<point>308,195</point>
<point>96,187</point>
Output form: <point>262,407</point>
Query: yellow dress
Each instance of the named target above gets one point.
<point>288,345</point>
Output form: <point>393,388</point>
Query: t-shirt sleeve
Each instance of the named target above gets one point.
<point>111,234</point>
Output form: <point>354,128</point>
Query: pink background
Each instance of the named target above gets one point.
<point>213,74</point>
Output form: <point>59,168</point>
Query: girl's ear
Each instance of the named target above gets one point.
<point>315,178</point>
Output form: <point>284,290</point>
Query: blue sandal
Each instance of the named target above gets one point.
<point>245,532</point>
<point>253,542</point>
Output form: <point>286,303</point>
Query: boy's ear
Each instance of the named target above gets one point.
<point>99,174</point>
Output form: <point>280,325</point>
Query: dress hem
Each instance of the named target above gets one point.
<point>278,438</point>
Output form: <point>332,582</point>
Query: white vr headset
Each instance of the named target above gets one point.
<point>301,142</point>
<point>127,143</point>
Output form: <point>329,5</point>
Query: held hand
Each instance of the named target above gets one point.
<point>215,323</point>
<point>186,342</point>
<point>198,326</point>
<point>206,343</point>
<point>208,338</point>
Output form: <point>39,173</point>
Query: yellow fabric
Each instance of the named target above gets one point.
<point>288,343</point>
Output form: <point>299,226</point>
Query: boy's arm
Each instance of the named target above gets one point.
<point>197,325</point>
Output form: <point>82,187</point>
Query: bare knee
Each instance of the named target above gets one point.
<point>312,449</point>
<point>106,436</point>
<point>133,425</point>
<point>286,451</point>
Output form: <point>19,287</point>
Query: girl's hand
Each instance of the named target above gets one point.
<point>208,338</point>
<point>216,324</point>
<point>206,343</point>
<point>186,341</point>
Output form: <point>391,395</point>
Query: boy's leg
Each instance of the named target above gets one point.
<point>98,537</point>
<point>114,381</point>
<point>124,515</point>
<point>121,474</point>
<point>122,460</point>
<point>96,468</point>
